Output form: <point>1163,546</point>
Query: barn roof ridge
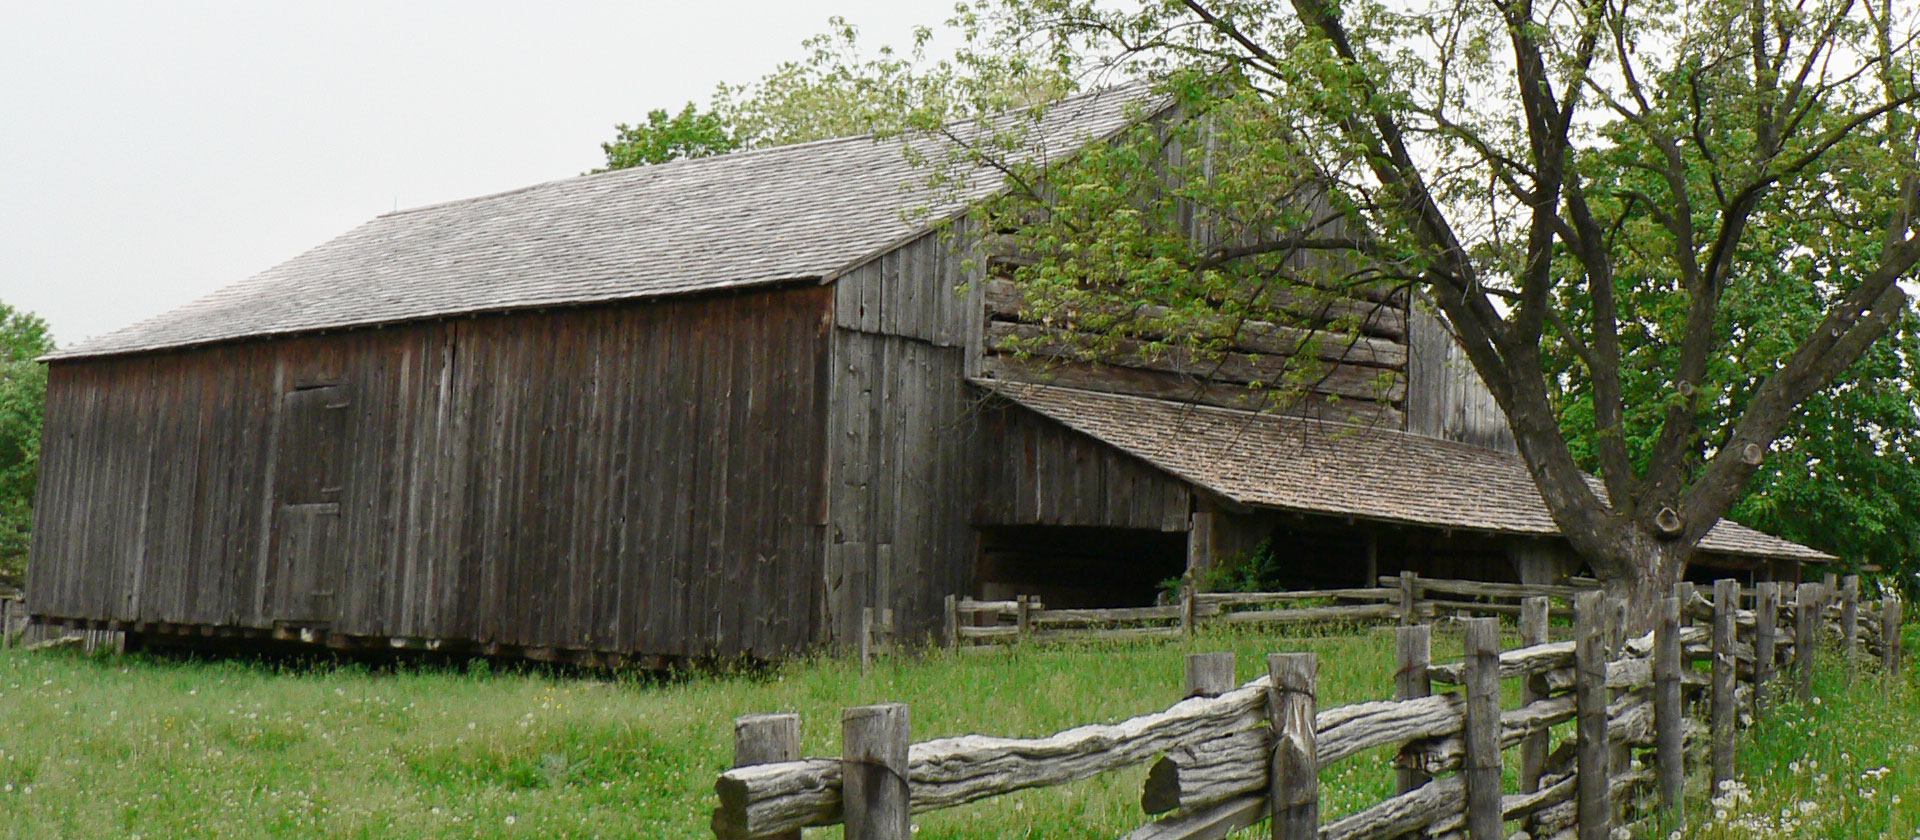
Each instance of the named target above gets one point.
<point>807,211</point>
<point>1364,471</point>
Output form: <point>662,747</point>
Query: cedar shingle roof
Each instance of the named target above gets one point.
<point>806,212</point>
<point>1316,467</point>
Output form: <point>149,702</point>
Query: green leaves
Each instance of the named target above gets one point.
<point>23,396</point>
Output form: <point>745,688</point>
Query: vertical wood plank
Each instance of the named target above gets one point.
<point>1294,795</point>
<point>1023,615</point>
<point>1726,600</point>
<point>1890,637</point>
<point>1590,716</point>
<point>1209,674</point>
<point>1186,609</point>
<point>1409,597</point>
<point>1806,619</point>
<point>1533,748</point>
<point>1410,681</point>
<point>874,771</point>
<point>950,626</point>
<point>1850,618</point>
<point>767,739</point>
<point>866,638</point>
<point>1482,766</point>
<point>1669,715</point>
<point>1199,546</point>
<point>1766,631</point>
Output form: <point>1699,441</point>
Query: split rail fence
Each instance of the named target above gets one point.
<point>1406,598</point>
<point>1228,757</point>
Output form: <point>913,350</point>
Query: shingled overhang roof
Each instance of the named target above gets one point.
<point>806,212</point>
<point>1326,468</point>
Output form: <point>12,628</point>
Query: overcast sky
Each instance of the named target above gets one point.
<point>153,152</point>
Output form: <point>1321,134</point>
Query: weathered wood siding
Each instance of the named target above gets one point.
<point>642,478</point>
<point>904,469</point>
<point>1039,472</point>
<point>1445,397</point>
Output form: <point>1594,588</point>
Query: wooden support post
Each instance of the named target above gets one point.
<point>1410,682</point>
<point>1890,637</point>
<point>1595,813</point>
<point>1409,597</point>
<point>874,772</point>
<point>1294,789</point>
<point>1805,639</point>
<point>1669,715</point>
<point>1199,546</point>
<point>1023,615</point>
<point>1533,748</point>
<point>1209,674</point>
<point>766,739</point>
<point>1850,619</point>
<point>1726,600</point>
<point>950,628</point>
<point>6,623</point>
<point>1482,764</point>
<point>1766,649</point>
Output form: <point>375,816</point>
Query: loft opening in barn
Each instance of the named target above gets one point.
<point>717,407</point>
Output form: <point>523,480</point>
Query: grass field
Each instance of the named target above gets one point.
<point>155,748</point>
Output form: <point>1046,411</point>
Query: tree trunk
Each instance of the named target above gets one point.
<point>1645,570</point>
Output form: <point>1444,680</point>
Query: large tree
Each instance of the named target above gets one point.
<point>1595,178</point>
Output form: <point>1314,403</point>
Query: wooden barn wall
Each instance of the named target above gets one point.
<point>1038,472</point>
<point>918,290</point>
<point>641,478</point>
<point>1445,397</point>
<point>904,467</point>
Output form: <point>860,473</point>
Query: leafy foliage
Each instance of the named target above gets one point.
<point>692,133</point>
<point>23,395</point>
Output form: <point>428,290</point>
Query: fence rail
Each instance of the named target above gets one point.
<point>1406,598</point>
<point>1231,756</point>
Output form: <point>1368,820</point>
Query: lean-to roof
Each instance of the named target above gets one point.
<point>1310,466</point>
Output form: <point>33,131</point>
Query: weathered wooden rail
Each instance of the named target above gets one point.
<point>1405,598</point>
<point>1229,756</point>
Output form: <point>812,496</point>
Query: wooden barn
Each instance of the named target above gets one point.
<point>715,407</point>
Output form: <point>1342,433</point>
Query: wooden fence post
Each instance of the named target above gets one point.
<point>6,623</point>
<point>1410,681</point>
<point>950,628</point>
<point>866,638</point>
<point>1726,600</point>
<point>1209,674</point>
<point>1482,765</point>
<point>1890,637</point>
<point>1669,716</point>
<point>1766,629</point>
<point>1023,615</point>
<point>1294,789</point>
<point>1533,748</point>
<point>1850,619</point>
<point>766,739</point>
<point>1595,814</point>
<point>1409,597</point>
<point>1186,609</point>
<point>1805,638</point>
<point>874,772</point>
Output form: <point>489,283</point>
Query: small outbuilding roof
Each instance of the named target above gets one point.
<point>805,212</point>
<point>1310,466</point>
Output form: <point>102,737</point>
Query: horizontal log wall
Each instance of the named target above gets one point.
<point>641,478</point>
<point>1227,757</point>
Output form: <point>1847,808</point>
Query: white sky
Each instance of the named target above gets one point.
<point>153,152</point>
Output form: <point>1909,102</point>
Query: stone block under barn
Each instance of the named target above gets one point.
<point>717,407</point>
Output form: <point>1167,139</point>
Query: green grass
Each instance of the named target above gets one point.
<point>118,747</point>
<point>133,746</point>
<point>1847,766</point>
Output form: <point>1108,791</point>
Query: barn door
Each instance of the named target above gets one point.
<point>307,477</point>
